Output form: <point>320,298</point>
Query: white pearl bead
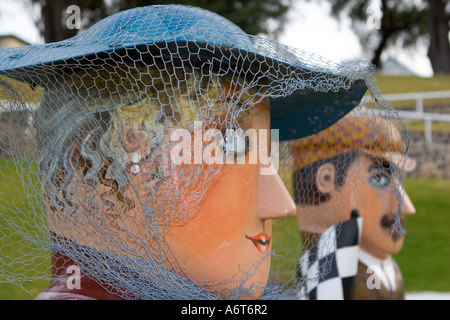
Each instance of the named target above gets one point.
<point>135,169</point>
<point>136,157</point>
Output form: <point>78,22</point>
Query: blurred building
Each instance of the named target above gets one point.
<point>391,66</point>
<point>10,120</point>
<point>10,40</point>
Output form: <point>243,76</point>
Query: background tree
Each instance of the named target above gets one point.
<point>253,16</point>
<point>403,23</point>
<point>439,27</point>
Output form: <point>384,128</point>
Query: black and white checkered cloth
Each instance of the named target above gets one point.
<point>328,268</point>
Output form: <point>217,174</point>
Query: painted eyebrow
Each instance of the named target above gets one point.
<point>382,164</point>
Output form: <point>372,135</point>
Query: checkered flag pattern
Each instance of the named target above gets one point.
<point>328,268</point>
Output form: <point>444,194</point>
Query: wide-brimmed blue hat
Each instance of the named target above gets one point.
<point>323,93</point>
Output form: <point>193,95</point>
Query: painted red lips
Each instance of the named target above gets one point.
<point>261,241</point>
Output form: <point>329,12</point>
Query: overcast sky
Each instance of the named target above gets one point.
<point>310,28</point>
<point>16,19</point>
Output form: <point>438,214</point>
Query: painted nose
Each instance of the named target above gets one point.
<point>408,207</point>
<point>274,200</point>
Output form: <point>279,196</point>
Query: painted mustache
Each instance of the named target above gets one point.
<point>261,241</point>
<point>387,222</point>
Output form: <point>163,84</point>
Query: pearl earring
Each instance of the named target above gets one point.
<point>135,159</point>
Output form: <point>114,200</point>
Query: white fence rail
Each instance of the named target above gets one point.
<point>418,97</point>
<point>419,114</point>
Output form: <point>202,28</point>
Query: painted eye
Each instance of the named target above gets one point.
<point>379,180</point>
<point>235,143</point>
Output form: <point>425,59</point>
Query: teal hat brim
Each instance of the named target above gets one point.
<point>306,112</point>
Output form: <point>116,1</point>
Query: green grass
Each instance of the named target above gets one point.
<point>436,126</point>
<point>19,214</point>
<point>403,84</point>
<point>286,248</point>
<point>407,84</point>
<point>425,257</point>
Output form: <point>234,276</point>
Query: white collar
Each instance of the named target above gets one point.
<point>384,269</point>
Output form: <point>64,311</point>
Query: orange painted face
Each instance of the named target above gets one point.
<point>226,239</point>
<point>367,152</point>
<point>210,223</point>
<point>371,188</point>
<point>377,193</point>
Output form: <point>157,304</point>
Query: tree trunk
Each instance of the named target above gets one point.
<point>439,48</point>
<point>385,32</point>
<point>376,60</point>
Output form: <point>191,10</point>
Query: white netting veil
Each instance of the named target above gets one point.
<point>137,156</point>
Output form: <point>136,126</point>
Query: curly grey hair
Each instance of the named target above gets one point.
<point>92,119</point>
